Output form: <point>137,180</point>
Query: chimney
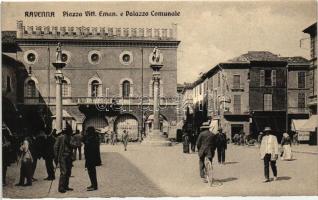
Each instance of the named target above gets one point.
<point>20,29</point>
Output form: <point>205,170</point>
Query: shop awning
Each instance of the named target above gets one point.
<point>214,126</point>
<point>311,124</point>
<point>65,115</point>
<point>297,124</point>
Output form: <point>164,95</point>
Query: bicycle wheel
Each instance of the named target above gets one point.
<point>208,170</point>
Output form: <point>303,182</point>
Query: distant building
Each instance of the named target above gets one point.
<point>312,79</point>
<point>249,92</point>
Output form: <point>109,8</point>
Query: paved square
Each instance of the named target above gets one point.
<point>166,171</point>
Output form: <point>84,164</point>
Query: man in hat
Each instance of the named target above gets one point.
<point>221,145</point>
<point>269,153</point>
<point>206,144</point>
<point>63,152</point>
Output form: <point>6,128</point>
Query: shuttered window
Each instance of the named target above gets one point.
<point>236,81</point>
<point>301,80</point>
<point>301,100</point>
<point>237,104</point>
<point>262,78</point>
<point>268,102</point>
<point>273,77</point>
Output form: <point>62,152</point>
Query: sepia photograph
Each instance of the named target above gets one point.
<point>159,99</point>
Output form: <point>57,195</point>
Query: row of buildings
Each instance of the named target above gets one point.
<point>104,66</point>
<point>255,90</point>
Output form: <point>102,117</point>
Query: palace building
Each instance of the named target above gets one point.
<point>107,79</point>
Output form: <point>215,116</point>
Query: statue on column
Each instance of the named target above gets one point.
<point>59,52</point>
<point>156,55</point>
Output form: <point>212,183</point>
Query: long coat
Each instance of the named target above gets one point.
<point>269,145</point>
<point>206,144</point>
<point>91,151</point>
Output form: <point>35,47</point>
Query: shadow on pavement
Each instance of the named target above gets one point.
<point>123,179</point>
<point>229,163</point>
<point>227,179</point>
<point>283,178</point>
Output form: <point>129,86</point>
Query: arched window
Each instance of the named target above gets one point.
<point>126,89</point>
<point>30,89</point>
<point>95,88</point>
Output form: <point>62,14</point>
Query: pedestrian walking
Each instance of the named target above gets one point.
<point>63,154</point>
<point>125,138</point>
<point>286,145</point>
<point>206,144</point>
<point>192,140</point>
<point>186,143</point>
<point>259,138</point>
<point>77,142</point>
<point>26,170</point>
<point>92,156</point>
<point>48,155</point>
<point>269,153</point>
<point>221,145</point>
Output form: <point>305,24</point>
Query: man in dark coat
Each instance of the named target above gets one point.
<point>48,155</point>
<point>92,156</point>
<point>186,148</point>
<point>6,153</point>
<point>77,138</point>
<point>206,144</point>
<point>221,145</point>
<point>63,152</point>
<point>192,140</point>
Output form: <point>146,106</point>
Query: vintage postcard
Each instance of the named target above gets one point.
<point>159,99</point>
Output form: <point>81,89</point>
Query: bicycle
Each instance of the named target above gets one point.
<point>208,170</point>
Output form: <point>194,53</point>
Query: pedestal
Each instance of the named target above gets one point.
<point>156,138</point>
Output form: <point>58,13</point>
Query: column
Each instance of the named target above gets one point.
<point>59,110</point>
<point>156,123</point>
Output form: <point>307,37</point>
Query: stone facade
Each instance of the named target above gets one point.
<point>102,68</point>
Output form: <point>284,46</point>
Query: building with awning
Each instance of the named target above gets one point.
<point>304,127</point>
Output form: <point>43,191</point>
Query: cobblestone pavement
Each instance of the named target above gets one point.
<point>166,171</point>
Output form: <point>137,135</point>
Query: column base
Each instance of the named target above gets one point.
<point>155,138</point>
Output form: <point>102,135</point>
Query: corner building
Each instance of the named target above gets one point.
<point>105,67</point>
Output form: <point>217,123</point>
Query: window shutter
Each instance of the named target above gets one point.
<point>262,78</point>
<point>273,77</point>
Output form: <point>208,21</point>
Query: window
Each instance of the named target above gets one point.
<point>273,78</point>
<point>301,80</point>
<point>268,102</point>
<point>262,78</point>
<point>237,104</point>
<point>268,78</point>
<point>64,57</point>
<point>301,100</point>
<point>95,88</point>
<point>200,89</point>
<point>31,57</point>
<point>9,84</point>
<point>126,57</point>
<point>126,89</point>
<point>236,81</point>
<point>94,57</point>
<point>31,89</point>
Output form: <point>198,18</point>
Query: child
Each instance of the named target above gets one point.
<point>26,165</point>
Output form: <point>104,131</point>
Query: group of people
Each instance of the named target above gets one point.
<point>58,149</point>
<point>208,142</point>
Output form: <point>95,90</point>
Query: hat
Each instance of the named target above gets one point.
<point>205,125</point>
<point>285,135</point>
<point>267,129</point>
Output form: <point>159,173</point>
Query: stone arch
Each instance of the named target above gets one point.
<point>121,82</point>
<point>128,122</point>
<point>97,121</point>
<point>89,86</point>
<point>164,123</point>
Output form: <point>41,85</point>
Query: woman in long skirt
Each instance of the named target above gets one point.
<point>286,144</point>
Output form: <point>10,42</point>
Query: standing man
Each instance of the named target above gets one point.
<point>125,138</point>
<point>63,154</point>
<point>186,148</point>
<point>77,139</point>
<point>92,156</point>
<point>48,155</point>
<point>6,152</point>
<point>206,144</point>
<point>269,153</point>
<point>221,146</point>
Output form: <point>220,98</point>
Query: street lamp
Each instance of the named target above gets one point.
<point>59,65</point>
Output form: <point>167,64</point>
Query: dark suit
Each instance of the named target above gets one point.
<point>221,146</point>
<point>48,156</point>
<point>63,153</point>
<point>92,157</point>
<point>206,144</point>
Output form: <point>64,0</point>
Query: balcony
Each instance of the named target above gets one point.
<point>238,88</point>
<point>297,110</point>
<point>168,101</point>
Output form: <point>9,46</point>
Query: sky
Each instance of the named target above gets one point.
<point>210,32</point>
